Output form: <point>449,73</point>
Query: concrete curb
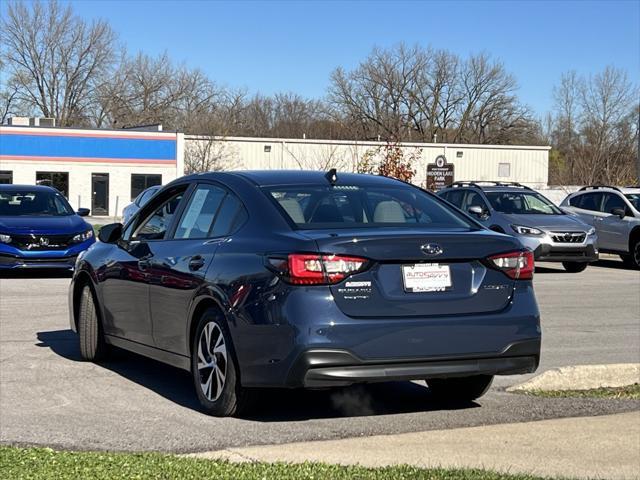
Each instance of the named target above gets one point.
<point>582,377</point>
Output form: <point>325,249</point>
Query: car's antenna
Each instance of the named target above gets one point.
<point>332,176</point>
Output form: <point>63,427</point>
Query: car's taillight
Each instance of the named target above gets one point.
<point>518,265</point>
<point>318,269</point>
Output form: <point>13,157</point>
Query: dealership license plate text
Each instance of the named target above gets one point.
<point>426,277</point>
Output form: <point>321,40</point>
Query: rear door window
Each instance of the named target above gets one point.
<point>587,201</point>
<point>212,212</point>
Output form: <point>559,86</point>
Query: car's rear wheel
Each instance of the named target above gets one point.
<point>214,369</point>
<point>460,389</point>
<point>92,344</point>
<point>575,267</point>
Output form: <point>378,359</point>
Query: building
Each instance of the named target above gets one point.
<point>105,169</point>
<point>98,169</point>
<point>528,165</point>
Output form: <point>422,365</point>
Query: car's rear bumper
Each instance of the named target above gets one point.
<point>331,368</point>
<point>382,349</point>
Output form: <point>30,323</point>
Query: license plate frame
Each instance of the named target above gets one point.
<point>426,277</point>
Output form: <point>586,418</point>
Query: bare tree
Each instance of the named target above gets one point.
<point>55,59</point>
<point>419,94</point>
<point>595,129</point>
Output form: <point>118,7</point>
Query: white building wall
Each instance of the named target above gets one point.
<point>526,164</point>
<point>81,167</point>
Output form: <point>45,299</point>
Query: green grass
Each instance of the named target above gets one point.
<point>630,392</point>
<point>44,463</point>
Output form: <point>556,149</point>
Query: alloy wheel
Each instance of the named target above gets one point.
<point>636,254</point>
<point>212,361</point>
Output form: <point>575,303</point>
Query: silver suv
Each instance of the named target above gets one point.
<point>520,211</point>
<point>615,214</point>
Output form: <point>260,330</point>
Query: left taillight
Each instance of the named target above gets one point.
<point>518,265</point>
<point>317,269</point>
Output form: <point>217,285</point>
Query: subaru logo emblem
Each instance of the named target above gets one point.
<point>431,249</point>
<point>567,236</point>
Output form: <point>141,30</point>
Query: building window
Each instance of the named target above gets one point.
<point>267,149</point>
<point>57,180</point>
<point>458,154</point>
<point>504,169</point>
<point>6,176</point>
<point>140,182</point>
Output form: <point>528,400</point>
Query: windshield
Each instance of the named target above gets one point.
<point>348,206</point>
<point>522,203</point>
<point>634,198</point>
<point>33,202</point>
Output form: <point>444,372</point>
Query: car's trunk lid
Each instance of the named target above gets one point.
<point>387,288</point>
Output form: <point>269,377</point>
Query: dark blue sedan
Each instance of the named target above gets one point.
<point>39,229</point>
<point>306,279</point>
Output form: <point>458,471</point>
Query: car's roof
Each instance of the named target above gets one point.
<point>490,188</point>
<point>10,187</point>
<point>294,177</point>
<point>608,189</point>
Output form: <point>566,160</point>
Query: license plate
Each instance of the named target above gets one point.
<point>426,277</point>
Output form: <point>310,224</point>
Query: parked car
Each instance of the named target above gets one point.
<point>39,229</point>
<point>144,196</point>
<point>297,279</point>
<point>517,210</point>
<point>615,214</point>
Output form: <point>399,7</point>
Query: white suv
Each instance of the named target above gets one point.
<point>615,214</point>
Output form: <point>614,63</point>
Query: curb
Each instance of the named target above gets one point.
<point>583,377</point>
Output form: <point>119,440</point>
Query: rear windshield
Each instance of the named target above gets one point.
<point>348,206</point>
<point>33,202</point>
<point>522,203</point>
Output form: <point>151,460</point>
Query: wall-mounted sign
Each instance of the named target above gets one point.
<point>439,174</point>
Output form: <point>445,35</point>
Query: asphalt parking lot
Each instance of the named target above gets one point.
<point>49,397</point>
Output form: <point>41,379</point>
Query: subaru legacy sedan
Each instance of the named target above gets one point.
<point>39,229</point>
<point>307,279</point>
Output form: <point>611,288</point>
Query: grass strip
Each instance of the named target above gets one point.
<point>45,463</point>
<point>628,392</point>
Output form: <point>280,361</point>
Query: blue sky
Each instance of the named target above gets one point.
<point>294,46</point>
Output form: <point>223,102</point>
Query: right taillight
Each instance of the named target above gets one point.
<point>518,265</point>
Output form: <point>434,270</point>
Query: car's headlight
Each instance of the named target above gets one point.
<point>522,230</point>
<point>5,238</point>
<point>592,231</point>
<point>81,237</point>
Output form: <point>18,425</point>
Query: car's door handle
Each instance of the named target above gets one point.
<point>196,263</point>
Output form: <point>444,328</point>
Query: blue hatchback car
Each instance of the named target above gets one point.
<point>307,279</point>
<point>39,229</point>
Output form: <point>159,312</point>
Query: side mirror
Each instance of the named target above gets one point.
<point>110,233</point>
<point>477,210</point>
<point>620,212</point>
<point>83,212</point>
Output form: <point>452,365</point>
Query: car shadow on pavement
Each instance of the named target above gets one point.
<point>271,405</point>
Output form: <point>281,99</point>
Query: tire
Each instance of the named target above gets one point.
<point>632,259</point>
<point>462,389</point>
<point>92,344</point>
<point>212,335</point>
<point>575,267</point>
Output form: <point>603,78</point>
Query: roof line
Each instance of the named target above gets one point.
<point>372,143</point>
